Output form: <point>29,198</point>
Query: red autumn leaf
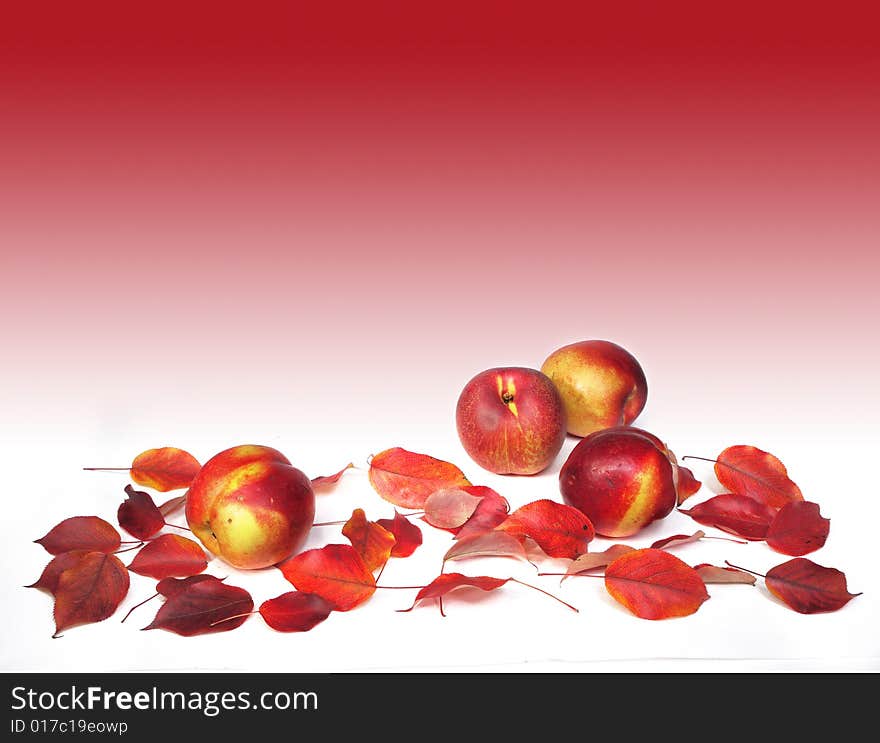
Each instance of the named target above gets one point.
<point>747,470</point>
<point>163,469</point>
<point>48,580</point>
<point>688,485</point>
<point>654,584</point>
<point>559,530</point>
<point>715,574</point>
<point>335,572</point>
<point>407,536</point>
<point>328,480</point>
<point>81,533</point>
<point>203,607</point>
<point>406,479</point>
<point>735,514</point>
<point>447,582</point>
<point>487,544</point>
<point>172,504</point>
<point>594,560</point>
<point>295,611</point>
<point>170,586</point>
<point>808,588</point>
<point>90,590</point>
<point>450,508</point>
<point>491,511</point>
<point>169,556</point>
<point>372,541</point>
<point>677,540</point>
<point>138,514</point>
<point>798,529</point>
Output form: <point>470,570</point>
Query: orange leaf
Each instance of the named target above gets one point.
<point>798,529</point>
<point>407,536</point>
<point>169,555</point>
<point>88,533</point>
<point>450,508</point>
<point>559,530</point>
<point>167,468</point>
<point>747,470</point>
<point>487,544</point>
<point>594,560</point>
<point>89,591</point>
<point>406,479</point>
<point>373,542</point>
<point>654,584</point>
<point>335,572</point>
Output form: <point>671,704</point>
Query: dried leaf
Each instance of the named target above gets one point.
<point>169,556</point>
<point>688,485</point>
<point>90,590</point>
<point>48,580</point>
<point>491,511</point>
<point>654,584</point>
<point>335,572</point>
<point>594,560</point>
<point>328,480</point>
<point>447,582</point>
<point>204,607</point>
<point>488,544</point>
<point>715,574</point>
<point>170,586</point>
<point>372,541</point>
<point>138,514</point>
<point>808,588</point>
<point>677,540</point>
<point>558,529</point>
<point>295,611</point>
<point>88,533</point>
<point>735,514</point>
<point>798,529</point>
<point>172,504</point>
<point>406,479</point>
<point>407,536</point>
<point>167,468</point>
<point>747,470</point>
<point>450,508</point>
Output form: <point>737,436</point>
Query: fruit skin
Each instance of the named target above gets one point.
<point>250,506</point>
<point>621,478</point>
<point>601,384</point>
<point>511,420</point>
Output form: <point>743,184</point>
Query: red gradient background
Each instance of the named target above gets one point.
<point>256,215</point>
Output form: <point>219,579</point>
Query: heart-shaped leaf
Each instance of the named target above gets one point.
<point>747,470</point>
<point>139,515</point>
<point>735,514</point>
<point>373,542</point>
<point>808,588</point>
<point>90,590</point>
<point>407,536</point>
<point>48,580</point>
<point>295,611</point>
<point>89,533</point>
<point>169,556</point>
<point>164,469</point>
<point>798,529</point>
<point>406,478</point>
<point>204,607</point>
<point>336,573</point>
<point>654,584</point>
<point>558,529</point>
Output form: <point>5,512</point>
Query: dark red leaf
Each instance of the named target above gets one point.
<point>488,544</point>
<point>169,556</point>
<point>558,529</point>
<point>203,607</point>
<point>328,480</point>
<point>808,588</point>
<point>491,511</point>
<point>163,469</point>
<point>595,560</point>
<point>735,514</point>
<point>168,587</point>
<point>747,470</point>
<point>687,485</point>
<point>90,590</point>
<point>716,574</point>
<point>138,514</point>
<point>406,478</point>
<point>373,542</point>
<point>407,535</point>
<point>450,508</point>
<point>295,611</point>
<point>336,573</point>
<point>48,580</point>
<point>447,582</point>
<point>88,533</point>
<point>677,540</point>
<point>654,584</point>
<point>798,529</point>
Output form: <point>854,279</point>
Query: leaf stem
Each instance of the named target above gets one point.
<point>546,593</point>
<point>234,616</point>
<point>760,575</point>
<point>137,605</point>
<point>175,526</point>
<point>107,469</point>
<point>702,459</point>
<point>129,549</point>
